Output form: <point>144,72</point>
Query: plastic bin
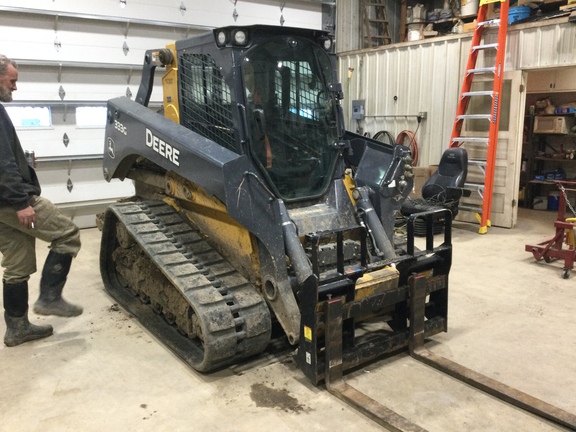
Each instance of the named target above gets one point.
<point>518,13</point>
<point>553,200</point>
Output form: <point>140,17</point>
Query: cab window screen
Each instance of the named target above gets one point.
<point>205,100</point>
<point>291,116</point>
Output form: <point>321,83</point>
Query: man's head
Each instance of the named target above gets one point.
<point>8,78</point>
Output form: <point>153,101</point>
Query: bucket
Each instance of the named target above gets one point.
<point>469,7</point>
<point>518,13</point>
<point>414,32</point>
<point>553,200</point>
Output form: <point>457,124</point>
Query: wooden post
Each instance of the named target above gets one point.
<point>402,30</point>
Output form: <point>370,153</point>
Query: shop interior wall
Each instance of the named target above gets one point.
<point>399,81</point>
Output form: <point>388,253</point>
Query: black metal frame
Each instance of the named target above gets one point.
<point>424,297</point>
<point>340,287</point>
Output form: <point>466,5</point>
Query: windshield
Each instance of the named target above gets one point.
<point>291,115</point>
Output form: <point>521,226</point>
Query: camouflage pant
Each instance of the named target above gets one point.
<point>18,244</point>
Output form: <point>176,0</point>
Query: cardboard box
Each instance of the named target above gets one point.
<point>421,175</point>
<point>469,27</point>
<point>540,203</point>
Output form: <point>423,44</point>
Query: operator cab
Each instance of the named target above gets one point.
<point>292,115</point>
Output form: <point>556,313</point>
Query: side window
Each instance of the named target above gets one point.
<point>91,116</point>
<point>205,102</point>
<point>28,117</point>
<point>484,105</point>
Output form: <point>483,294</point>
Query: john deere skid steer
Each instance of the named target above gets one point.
<point>258,217</point>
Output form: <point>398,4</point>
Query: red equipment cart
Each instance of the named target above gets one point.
<point>553,249</point>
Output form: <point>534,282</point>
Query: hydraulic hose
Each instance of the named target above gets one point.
<point>372,221</point>
<point>294,249</point>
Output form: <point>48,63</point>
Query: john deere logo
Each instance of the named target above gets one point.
<point>111,148</point>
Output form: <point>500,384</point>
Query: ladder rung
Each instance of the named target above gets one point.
<point>474,186</point>
<point>478,93</point>
<point>471,139</point>
<point>479,163</point>
<point>485,46</point>
<point>494,22</point>
<point>378,21</point>
<point>380,37</point>
<point>475,209</point>
<point>475,117</point>
<point>490,69</point>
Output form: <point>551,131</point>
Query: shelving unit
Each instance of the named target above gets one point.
<point>558,85</point>
<point>552,157</point>
<point>441,26</point>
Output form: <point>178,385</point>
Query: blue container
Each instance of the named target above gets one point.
<point>518,13</point>
<point>553,200</point>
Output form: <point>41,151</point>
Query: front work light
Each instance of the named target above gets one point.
<point>326,43</point>
<point>221,38</point>
<point>240,37</point>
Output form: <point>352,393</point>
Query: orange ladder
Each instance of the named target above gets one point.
<point>488,165</point>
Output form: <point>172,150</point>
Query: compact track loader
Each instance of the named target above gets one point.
<point>257,216</point>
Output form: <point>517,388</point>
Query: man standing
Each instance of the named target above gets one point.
<point>24,217</point>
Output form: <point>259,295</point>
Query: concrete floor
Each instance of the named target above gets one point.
<point>510,318</point>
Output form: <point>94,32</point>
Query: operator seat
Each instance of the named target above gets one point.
<point>442,190</point>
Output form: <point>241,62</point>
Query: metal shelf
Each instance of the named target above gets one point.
<point>547,159</point>
<point>542,182</point>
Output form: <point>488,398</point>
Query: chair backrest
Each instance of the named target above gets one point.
<point>451,174</point>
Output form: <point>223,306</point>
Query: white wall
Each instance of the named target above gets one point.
<point>79,46</point>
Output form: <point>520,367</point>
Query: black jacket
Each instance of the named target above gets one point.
<point>18,180</point>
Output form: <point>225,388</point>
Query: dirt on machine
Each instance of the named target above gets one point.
<point>257,216</point>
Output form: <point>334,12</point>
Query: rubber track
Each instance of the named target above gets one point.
<point>234,318</point>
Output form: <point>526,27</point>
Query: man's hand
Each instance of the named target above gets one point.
<point>27,217</point>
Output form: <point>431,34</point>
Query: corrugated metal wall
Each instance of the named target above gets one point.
<point>402,81</point>
<point>551,44</point>
<point>349,23</point>
<point>399,81</point>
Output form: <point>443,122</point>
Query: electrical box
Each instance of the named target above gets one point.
<point>358,109</point>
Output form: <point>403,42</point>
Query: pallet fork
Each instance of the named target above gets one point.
<point>328,359</point>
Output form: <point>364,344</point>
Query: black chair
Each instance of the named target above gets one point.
<point>442,190</point>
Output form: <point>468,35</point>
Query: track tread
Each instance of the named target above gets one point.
<point>235,319</point>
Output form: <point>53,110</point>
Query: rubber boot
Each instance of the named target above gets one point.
<point>18,328</point>
<point>54,274</point>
